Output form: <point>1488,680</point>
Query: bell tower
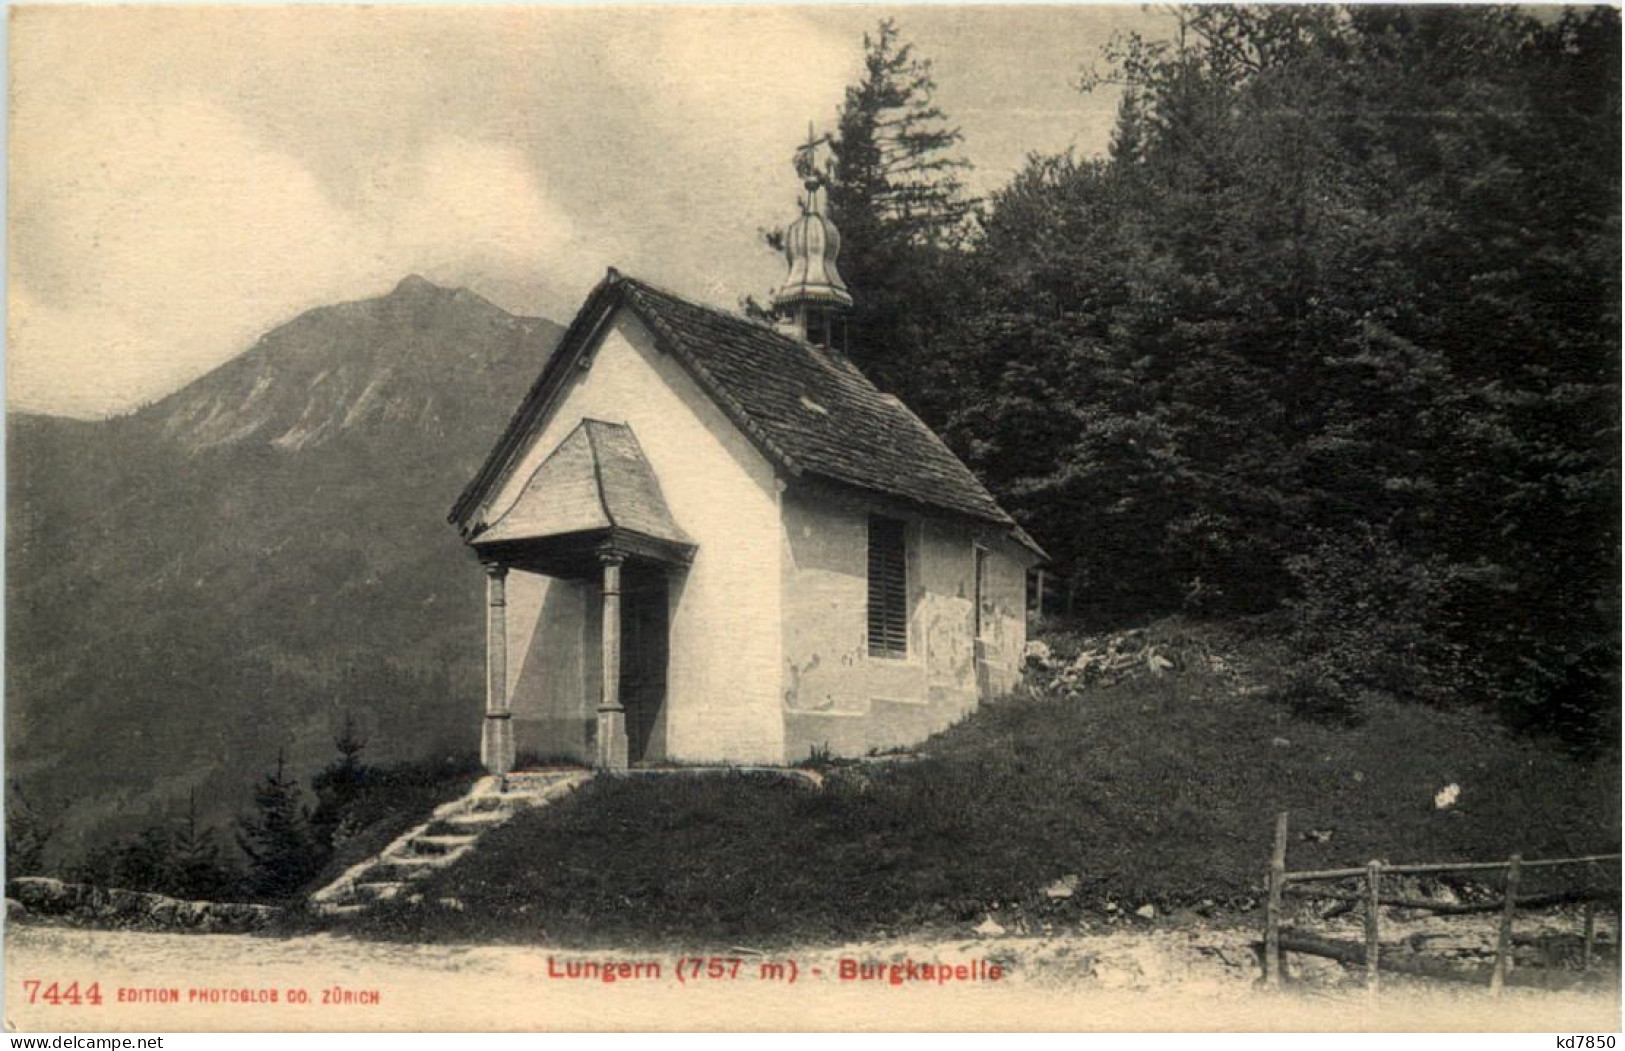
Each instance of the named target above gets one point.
<point>813,302</point>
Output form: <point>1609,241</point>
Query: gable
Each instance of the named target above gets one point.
<point>625,385</point>
<point>806,409</point>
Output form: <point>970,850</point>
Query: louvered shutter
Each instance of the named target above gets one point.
<point>888,589</point>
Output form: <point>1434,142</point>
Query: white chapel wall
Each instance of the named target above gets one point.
<point>838,697</point>
<point>722,699</point>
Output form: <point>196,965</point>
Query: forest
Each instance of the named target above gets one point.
<point>1329,336</point>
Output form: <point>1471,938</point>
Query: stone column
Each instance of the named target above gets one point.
<point>496,743</point>
<point>611,716</point>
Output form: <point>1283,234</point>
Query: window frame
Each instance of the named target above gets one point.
<point>979,567</point>
<point>889,639</point>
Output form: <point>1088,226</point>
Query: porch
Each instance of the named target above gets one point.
<point>591,516</point>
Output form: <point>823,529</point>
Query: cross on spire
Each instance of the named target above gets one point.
<point>806,162</point>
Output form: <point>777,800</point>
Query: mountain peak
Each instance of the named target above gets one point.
<point>415,284</point>
<point>333,370</point>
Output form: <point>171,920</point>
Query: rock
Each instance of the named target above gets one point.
<point>38,893</point>
<point>1064,887</point>
<point>1446,797</point>
<point>1442,893</point>
<point>115,907</point>
<point>989,928</point>
<point>1314,970</point>
<point>164,912</point>
<point>1281,742</point>
<point>15,910</point>
<point>1454,944</point>
<point>1146,912</point>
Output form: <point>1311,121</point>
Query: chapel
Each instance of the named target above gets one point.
<point>707,538</point>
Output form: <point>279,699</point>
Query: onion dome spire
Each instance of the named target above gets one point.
<point>814,298</point>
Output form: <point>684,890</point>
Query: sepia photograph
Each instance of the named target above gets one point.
<point>935,517</point>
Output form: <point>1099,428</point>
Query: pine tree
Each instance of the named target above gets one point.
<point>896,194</point>
<point>196,870</point>
<point>276,838</point>
<point>893,178</point>
<point>339,783</point>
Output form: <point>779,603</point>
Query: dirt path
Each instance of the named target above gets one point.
<point>1120,981</point>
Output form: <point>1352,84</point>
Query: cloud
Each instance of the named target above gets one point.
<point>184,178</point>
<point>180,184</point>
<point>154,240</point>
<point>150,241</point>
<point>723,97</point>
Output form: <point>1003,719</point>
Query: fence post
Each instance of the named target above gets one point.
<point>1373,924</point>
<point>1590,935</point>
<point>1503,940</point>
<point>1272,906</point>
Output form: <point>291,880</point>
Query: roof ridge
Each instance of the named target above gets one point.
<point>730,405</point>
<point>718,313</point>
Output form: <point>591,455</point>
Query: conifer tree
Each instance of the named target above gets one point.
<point>196,870</point>
<point>339,782</point>
<point>277,839</point>
<point>896,194</point>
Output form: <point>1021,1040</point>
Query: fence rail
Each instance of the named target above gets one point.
<point>1280,883</point>
<point>1445,866</point>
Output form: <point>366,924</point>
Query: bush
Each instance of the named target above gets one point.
<point>1368,622</point>
<point>28,832</point>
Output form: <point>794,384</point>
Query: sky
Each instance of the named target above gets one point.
<point>184,179</point>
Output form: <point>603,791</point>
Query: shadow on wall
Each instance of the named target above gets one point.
<point>551,711</point>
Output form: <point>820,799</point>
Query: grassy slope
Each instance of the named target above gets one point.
<point>1158,790</point>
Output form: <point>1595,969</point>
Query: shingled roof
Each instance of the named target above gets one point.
<point>596,479</point>
<point>808,409</point>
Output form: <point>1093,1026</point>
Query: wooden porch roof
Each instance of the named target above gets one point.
<point>596,481</point>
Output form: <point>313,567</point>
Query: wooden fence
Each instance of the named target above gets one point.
<point>1282,883</point>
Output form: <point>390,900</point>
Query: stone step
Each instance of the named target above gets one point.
<point>365,892</point>
<point>390,872</point>
<point>405,867</point>
<point>430,845</point>
<point>478,820</point>
<point>537,782</point>
<point>448,834</point>
<point>420,861</point>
